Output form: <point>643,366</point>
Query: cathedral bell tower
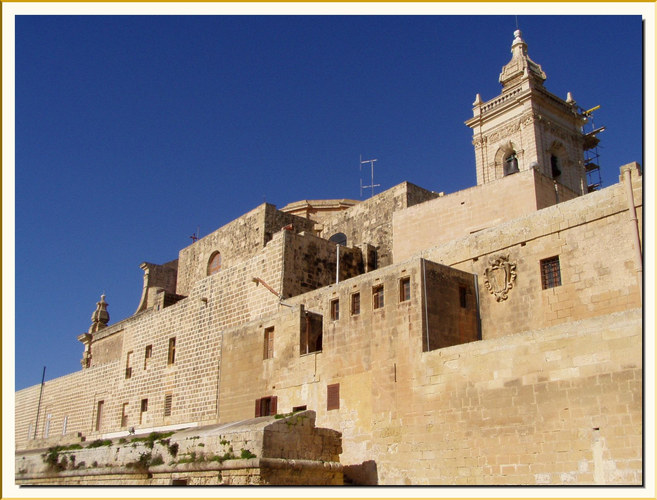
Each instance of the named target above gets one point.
<point>527,127</point>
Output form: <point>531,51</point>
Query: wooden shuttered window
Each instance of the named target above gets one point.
<point>333,397</point>
<point>268,350</point>
<point>266,406</point>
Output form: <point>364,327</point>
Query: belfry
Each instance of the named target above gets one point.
<point>527,127</point>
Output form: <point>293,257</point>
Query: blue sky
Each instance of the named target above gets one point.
<point>133,131</point>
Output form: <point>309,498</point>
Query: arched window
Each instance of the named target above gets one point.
<point>339,238</point>
<point>554,162</point>
<point>214,264</point>
<point>511,164</point>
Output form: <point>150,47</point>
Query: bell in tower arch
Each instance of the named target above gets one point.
<point>511,164</point>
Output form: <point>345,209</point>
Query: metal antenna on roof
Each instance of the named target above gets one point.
<point>371,162</point>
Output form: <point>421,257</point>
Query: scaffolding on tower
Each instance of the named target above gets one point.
<point>591,155</point>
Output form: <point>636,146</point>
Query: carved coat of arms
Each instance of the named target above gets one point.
<point>499,277</point>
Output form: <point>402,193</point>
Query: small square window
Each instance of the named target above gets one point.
<point>404,289</point>
<point>550,272</point>
<point>335,310</point>
<point>269,343</point>
<point>355,304</point>
<point>377,297</point>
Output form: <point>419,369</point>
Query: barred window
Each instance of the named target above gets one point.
<point>550,272</point>
<point>168,399</point>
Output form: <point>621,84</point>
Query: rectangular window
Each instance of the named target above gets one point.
<point>311,333</point>
<point>268,350</point>
<point>128,368</point>
<point>168,400</point>
<point>355,304</point>
<point>462,296</point>
<point>148,353</point>
<point>333,397</point>
<point>266,406</point>
<point>377,297</point>
<point>124,415</point>
<point>404,289</point>
<point>99,414</point>
<point>550,272</point>
<point>335,310</point>
<point>171,359</point>
<point>299,408</point>
<point>143,410</point>
<point>30,431</point>
<point>64,425</point>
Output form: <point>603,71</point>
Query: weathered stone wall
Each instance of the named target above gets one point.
<point>310,263</point>
<point>237,241</point>
<point>157,278</point>
<point>360,352</point>
<point>469,211</point>
<point>371,220</point>
<point>214,303</point>
<point>562,405</point>
<point>286,449</point>
<point>451,307</point>
<point>592,235</point>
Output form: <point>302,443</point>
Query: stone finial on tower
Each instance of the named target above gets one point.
<point>521,68</point>
<point>100,316</point>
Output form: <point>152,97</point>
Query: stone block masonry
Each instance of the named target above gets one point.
<point>285,449</point>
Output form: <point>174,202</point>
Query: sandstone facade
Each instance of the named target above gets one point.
<point>488,336</point>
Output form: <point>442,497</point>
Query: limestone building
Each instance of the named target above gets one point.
<point>487,336</point>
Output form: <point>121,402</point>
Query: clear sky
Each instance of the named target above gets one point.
<point>133,131</point>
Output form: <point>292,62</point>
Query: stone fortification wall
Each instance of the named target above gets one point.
<point>237,241</point>
<point>370,222</point>
<point>122,375</point>
<point>365,353</point>
<point>287,449</point>
<point>214,303</point>
<point>562,405</point>
<point>457,215</point>
<point>593,238</point>
<point>310,263</point>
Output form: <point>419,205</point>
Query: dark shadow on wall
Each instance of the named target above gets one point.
<point>364,474</point>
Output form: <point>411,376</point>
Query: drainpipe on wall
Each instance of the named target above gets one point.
<point>337,263</point>
<point>426,310</point>
<point>634,221</point>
